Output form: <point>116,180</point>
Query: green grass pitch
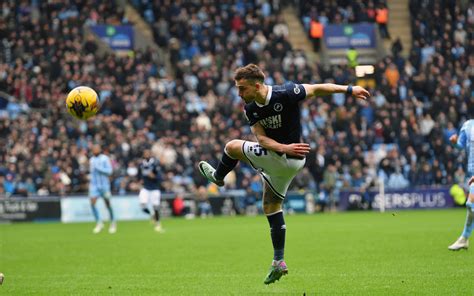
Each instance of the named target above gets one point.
<point>403,253</point>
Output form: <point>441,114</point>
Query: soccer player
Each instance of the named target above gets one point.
<point>278,155</point>
<point>150,176</point>
<point>465,141</point>
<point>100,170</point>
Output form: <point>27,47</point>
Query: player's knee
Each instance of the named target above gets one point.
<point>271,207</point>
<point>234,148</point>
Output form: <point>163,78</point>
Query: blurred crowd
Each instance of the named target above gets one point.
<point>339,11</point>
<point>187,114</point>
<point>317,14</point>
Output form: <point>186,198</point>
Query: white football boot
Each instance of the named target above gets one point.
<point>461,243</point>
<point>98,228</point>
<point>208,171</point>
<point>113,228</point>
<point>158,228</point>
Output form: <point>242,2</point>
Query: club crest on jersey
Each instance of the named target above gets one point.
<point>297,90</point>
<point>278,107</point>
<point>255,114</point>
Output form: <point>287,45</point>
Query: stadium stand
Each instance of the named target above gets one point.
<point>400,136</point>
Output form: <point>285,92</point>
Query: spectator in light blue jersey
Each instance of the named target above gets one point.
<point>100,169</point>
<point>465,140</point>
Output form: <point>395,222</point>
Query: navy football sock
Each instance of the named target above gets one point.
<point>157,214</point>
<point>146,210</point>
<point>278,232</point>
<point>226,165</point>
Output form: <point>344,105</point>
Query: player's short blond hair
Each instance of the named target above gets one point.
<point>249,72</point>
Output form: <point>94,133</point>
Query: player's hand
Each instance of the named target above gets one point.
<point>297,149</point>
<point>151,175</point>
<point>470,181</point>
<point>360,93</point>
<point>453,139</point>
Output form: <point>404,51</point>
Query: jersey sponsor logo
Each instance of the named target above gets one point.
<point>278,107</point>
<point>297,90</point>
<point>272,122</point>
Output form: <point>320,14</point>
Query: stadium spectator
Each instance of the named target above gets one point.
<point>397,47</point>
<point>316,33</point>
<point>204,205</point>
<point>397,180</point>
<point>381,18</point>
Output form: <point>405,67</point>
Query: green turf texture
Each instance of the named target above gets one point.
<point>402,253</point>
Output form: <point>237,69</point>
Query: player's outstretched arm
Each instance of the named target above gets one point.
<point>295,149</point>
<point>323,89</point>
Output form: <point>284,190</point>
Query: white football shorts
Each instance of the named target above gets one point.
<point>276,170</point>
<point>153,196</point>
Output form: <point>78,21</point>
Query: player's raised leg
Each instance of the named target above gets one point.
<point>272,207</point>
<point>99,225</point>
<point>231,156</point>
<point>463,241</point>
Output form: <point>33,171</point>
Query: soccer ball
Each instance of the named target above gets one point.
<point>82,102</point>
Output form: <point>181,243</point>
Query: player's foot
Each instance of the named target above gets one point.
<point>461,243</point>
<point>98,228</point>
<point>277,270</point>
<point>159,229</point>
<point>113,228</point>
<point>208,171</point>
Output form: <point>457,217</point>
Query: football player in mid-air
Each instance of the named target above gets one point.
<point>100,169</point>
<point>150,176</point>
<point>465,141</point>
<point>278,155</point>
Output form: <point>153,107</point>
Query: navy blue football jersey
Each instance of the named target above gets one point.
<point>147,166</point>
<point>280,117</point>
